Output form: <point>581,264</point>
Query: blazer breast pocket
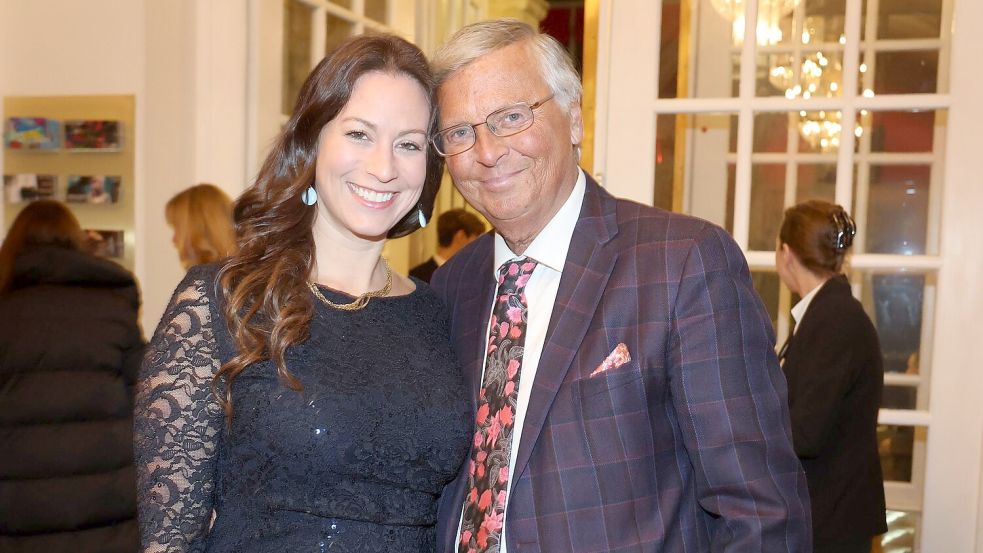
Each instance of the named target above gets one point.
<point>612,393</point>
<point>610,380</point>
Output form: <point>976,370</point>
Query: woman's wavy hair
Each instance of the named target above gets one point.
<point>267,303</point>
<point>201,217</point>
<point>41,223</point>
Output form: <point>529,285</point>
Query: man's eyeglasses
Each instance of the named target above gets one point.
<point>503,122</point>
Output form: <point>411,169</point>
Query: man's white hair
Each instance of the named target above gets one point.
<point>478,39</point>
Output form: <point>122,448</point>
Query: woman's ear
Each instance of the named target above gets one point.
<point>786,258</point>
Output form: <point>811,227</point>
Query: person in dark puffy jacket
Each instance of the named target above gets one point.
<point>70,349</point>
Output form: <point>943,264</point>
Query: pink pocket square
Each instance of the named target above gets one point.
<point>615,359</point>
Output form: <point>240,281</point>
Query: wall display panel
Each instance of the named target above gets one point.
<point>26,187</point>
<point>92,168</point>
<point>32,133</point>
<point>93,135</point>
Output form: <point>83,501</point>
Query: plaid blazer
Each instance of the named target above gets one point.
<point>685,448</point>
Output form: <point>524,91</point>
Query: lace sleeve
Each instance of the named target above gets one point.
<point>177,424</point>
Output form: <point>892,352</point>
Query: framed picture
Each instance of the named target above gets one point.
<point>31,133</point>
<point>92,189</point>
<point>27,187</point>
<point>92,135</point>
<point>105,243</point>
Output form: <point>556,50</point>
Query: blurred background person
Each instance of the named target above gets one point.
<point>834,367</point>
<point>70,349</point>
<point>201,218</point>
<point>456,228</point>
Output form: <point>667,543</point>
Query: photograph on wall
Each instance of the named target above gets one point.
<point>31,133</point>
<point>105,243</point>
<point>27,187</point>
<point>97,135</point>
<point>92,189</point>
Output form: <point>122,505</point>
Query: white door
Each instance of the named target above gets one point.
<point>852,101</point>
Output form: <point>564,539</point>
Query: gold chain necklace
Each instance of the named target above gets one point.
<point>360,301</point>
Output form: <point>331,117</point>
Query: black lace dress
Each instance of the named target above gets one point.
<point>354,462</point>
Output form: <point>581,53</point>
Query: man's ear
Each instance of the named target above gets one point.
<point>576,124</point>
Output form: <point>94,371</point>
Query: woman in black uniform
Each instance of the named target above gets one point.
<point>833,364</point>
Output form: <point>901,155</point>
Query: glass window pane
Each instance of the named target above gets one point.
<point>824,21</point>
<point>865,80</point>
<point>814,66</point>
<point>896,445</point>
<point>815,181</point>
<point>697,50</point>
<point>376,9</point>
<point>337,31</point>
<point>902,531</point>
<point>899,131</point>
<point>297,18</point>
<point>906,72</point>
<point>775,23</point>
<point>909,19</point>
<point>768,286</point>
<point>894,302</point>
<point>900,397</point>
<point>667,167</point>
<point>896,218</point>
<point>819,131</point>
<point>770,132</point>
<point>695,151</point>
<point>767,204</point>
<point>670,78</point>
<point>776,74</point>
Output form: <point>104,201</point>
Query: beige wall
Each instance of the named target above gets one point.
<point>185,62</point>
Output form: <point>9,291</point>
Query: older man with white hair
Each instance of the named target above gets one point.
<point>626,389</point>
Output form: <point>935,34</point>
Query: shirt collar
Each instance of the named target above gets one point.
<point>799,309</point>
<point>550,246</point>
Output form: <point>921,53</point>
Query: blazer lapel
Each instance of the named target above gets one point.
<point>585,273</point>
<point>475,312</point>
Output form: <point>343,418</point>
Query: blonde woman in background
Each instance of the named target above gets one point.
<point>201,217</point>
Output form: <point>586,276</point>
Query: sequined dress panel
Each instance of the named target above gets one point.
<point>354,462</point>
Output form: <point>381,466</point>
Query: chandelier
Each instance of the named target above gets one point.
<point>770,13</point>
<point>733,8</point>
<point>819,76</point>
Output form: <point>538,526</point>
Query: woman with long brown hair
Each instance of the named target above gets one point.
<point>300,394</point>
<point>834,367</point>
<point>70,348</point>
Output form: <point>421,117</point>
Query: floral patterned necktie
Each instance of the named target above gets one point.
<point>488,468</point>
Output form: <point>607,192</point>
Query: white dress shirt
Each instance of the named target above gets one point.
<point>549,248</point>
<point>800,308</point>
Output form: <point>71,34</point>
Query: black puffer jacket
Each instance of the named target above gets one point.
<point>70,348</point>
